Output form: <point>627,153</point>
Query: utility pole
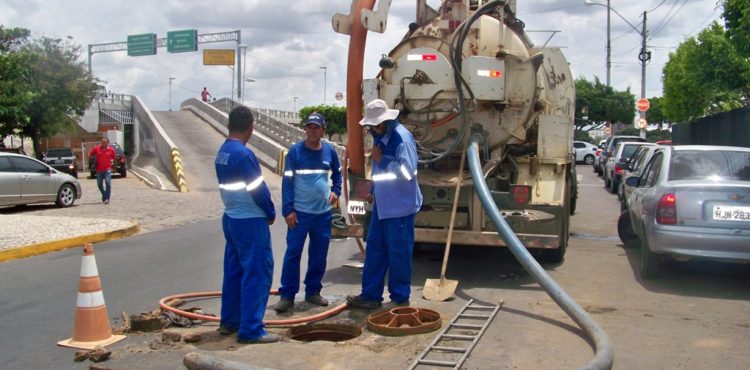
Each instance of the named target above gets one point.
<point>325,79</point>
<point>609,50</point>
<point>644,57</point>
<point>170,93</point>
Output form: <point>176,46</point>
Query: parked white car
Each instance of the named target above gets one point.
<point>585,152</point>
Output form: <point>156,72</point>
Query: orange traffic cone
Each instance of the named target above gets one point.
<point>91,328</point>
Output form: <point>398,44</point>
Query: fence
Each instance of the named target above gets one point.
<point>726,128</point>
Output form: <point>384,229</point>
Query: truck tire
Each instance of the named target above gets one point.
<point>558,255</point>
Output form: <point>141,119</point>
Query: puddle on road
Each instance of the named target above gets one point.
<point>576,235</point>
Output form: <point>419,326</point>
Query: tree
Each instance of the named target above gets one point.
<point>335,118</point>
<point>15,93</point>
<point>737,22</point>
<point>603,103</point>
<point>705,75</point>
<point>62,87</point>
<point>655,113</point>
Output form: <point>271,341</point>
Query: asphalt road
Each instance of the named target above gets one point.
<point>695,317</point>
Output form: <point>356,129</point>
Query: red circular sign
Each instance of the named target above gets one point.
<point>643,105</point>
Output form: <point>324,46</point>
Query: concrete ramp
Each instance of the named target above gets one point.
<point>197,142</point>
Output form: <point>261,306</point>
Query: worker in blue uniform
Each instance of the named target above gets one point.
<point>248,212</point>
<point>307,200</point>
<point>396,200</point>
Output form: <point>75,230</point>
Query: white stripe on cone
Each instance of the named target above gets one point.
<point>90,300</point>
<point>88,267</point>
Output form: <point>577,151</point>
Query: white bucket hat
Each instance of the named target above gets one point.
<point>376,112</point>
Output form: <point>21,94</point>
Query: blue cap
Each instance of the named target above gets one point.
<point>317,119</point>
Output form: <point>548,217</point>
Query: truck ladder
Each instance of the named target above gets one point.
<point>467,326</point>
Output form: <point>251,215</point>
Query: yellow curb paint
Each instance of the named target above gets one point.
<point>58,245</point>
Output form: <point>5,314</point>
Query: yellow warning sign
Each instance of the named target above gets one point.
<point>218,57</point>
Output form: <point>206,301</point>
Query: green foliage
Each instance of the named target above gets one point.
<point>603,104</point>
<point>335,118</point>
<point>655,114</point>
<point>705,75</point>
<point>15,92</point>
<point>632,131</point>
<point>44,84</point>
<point>737,22</point>
<point>656,135</point>
<point>580,135</point>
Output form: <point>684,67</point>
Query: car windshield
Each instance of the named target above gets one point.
<point>710,165</point>
<point>59,152</point>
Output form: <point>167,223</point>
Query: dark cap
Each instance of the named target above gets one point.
<point>317,119</point>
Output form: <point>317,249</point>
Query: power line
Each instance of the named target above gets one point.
<point>661,26</point>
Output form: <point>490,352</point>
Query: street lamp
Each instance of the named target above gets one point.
<point>325,78</point>
<point>243,88</point>
<point>170,93</point>
<point>295,103</point>
<point>241,92</point>
<point>644,56</point>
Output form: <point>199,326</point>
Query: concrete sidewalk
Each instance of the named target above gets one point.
<point>23,235</point>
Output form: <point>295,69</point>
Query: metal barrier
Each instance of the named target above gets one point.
<point>152,138</point>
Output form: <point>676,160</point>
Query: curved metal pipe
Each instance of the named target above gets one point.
<point>602,344</point>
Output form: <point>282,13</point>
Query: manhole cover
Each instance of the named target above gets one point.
<point>325,332</point>
<point>404,321</point>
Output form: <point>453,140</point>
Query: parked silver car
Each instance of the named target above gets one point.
<point>25,180</point>
<point>616,163</point>
<point>634,167</point>
<point>691,201</point>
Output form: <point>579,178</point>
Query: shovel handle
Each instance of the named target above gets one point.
<point>453,216</point>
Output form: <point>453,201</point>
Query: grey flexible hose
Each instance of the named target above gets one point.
<point>603,347</point>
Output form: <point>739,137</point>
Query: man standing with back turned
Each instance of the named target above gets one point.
<point>248,211</point>
<point>396,200</point>
<point>306,206</point>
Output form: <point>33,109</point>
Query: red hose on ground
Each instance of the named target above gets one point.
<point>286,322</point>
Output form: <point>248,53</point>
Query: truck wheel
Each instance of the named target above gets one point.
<point>558,255</point>
<point>124,173</point>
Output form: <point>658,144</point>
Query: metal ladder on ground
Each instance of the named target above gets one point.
<point>467,326</point>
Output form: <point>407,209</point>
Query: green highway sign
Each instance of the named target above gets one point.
<point>182,41</point>
<point>143,44</point>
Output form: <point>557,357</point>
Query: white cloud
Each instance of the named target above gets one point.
<point>289,40</point>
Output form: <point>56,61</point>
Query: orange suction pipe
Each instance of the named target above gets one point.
<point>354,104</point>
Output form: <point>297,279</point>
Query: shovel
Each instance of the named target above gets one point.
<point>443,289</point>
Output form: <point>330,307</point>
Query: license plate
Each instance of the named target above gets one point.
<point>731,213</point>
<point>356,207</point>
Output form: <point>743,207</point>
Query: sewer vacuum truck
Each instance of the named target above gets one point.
<point>469,68</point>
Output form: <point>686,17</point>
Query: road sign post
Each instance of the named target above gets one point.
<point>143,44</point>
<point>182,41</point>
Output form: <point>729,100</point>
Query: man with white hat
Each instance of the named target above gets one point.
<point>306,199</point>
<point>396,200</point>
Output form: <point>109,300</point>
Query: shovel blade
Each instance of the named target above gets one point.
<point>439,289</point>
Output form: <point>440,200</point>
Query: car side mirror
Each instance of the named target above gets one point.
<point>633,181</point>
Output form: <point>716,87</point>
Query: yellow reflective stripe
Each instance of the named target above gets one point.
<point>253,185</point>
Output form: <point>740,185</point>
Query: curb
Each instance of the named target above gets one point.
<point>61,244</point>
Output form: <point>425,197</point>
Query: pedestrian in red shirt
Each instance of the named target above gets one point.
<point>205,95</point>
<point>105,158</point>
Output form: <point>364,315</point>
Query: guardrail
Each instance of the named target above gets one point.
<point>272,136</point>
<point>152,138</point>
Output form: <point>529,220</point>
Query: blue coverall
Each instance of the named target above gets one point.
<point>248,258</point>
<point>305,191</point>
<point>390,237</point>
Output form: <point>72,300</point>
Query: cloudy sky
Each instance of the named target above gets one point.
<point>288,42</point>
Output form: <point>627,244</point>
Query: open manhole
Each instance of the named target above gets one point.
<point>404,321</point>
<point>324,332</point>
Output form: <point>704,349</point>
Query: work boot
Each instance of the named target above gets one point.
<point>284,305</point>
<point>268,338</point>
<point>223,330</point>
<point>405,303</point>
<point>317,300</point>
<point>356,301</point>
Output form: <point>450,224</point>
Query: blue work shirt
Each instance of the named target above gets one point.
<point>305,185</point>
<point>394,177</point>
<point>243,191</point>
